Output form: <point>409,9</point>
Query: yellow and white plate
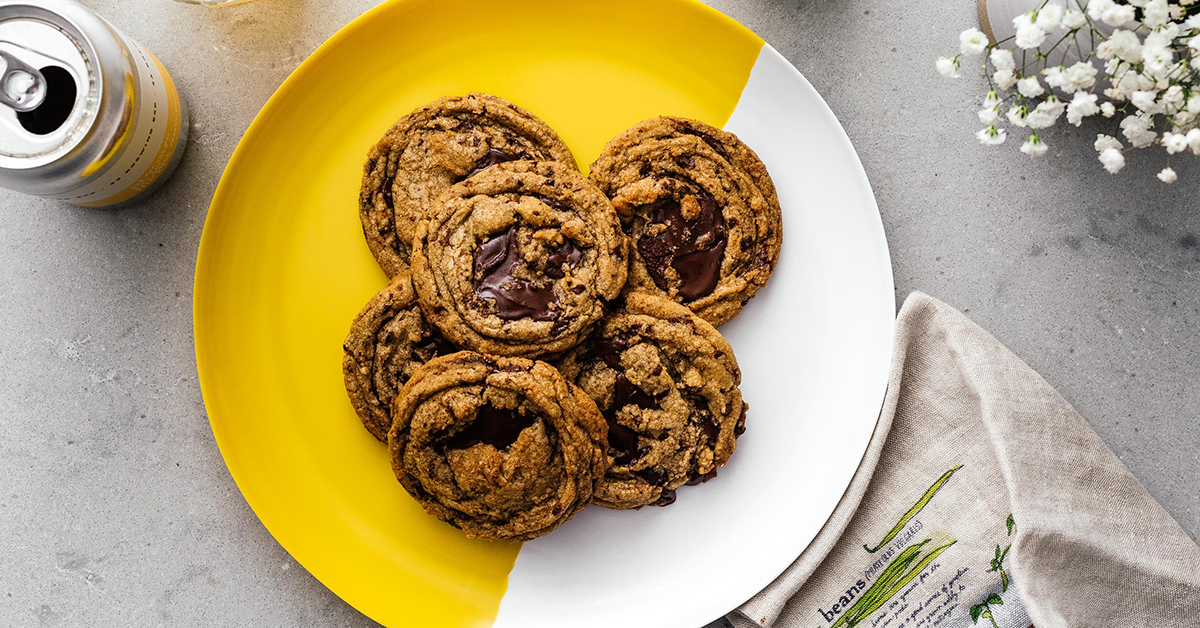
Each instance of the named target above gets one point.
<point>283,268</point>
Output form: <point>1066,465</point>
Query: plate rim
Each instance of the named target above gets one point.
<point>207,251</point>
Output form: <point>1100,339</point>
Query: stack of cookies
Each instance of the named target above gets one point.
<point>548,340</point>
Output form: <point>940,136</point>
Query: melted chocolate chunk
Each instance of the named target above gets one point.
<point>492,426</point>
<point>698,478</point>
<point>437,345</point>
<point>621,440</point>
<point>568,254</point>
<point>652,476</point>
<point>515,298</point>
<point>494,156</point>
<point>693,248</point>
<point>559,205</point>
<point>609,351</point>
<point>666,499</point>
<point>626,393</point>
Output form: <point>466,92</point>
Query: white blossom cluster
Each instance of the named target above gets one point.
<point>1151,75</point>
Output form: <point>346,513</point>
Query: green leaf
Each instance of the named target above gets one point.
<point>1003,581</point>
<point>1004,553</point>
<point>997,552</point>
<point>995,599</point>
<point>975,611</point>
<point>1010,523</point>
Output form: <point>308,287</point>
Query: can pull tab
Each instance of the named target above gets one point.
<point>22,86</point>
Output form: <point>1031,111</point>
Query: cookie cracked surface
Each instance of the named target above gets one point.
<point>519,259</point>
<point>700,210</point>
<point>667,384</point>
<point>502,448</point>
<point>388,341</point>
<point>434,147</point>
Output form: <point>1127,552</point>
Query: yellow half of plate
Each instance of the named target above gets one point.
<point>283,266</point>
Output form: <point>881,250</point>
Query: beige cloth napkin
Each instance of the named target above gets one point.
<point>984,499</point>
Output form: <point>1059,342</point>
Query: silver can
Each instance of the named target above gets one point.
<point>87,115</point>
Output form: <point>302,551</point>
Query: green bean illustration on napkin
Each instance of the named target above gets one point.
<point>916,508</point>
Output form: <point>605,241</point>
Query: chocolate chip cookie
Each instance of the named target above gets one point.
<point>435,147</point>
<point>667,383</point>
<point>519,259</point>
<point>502,448</point>
<point>701,212</point>
<point>388,341</point>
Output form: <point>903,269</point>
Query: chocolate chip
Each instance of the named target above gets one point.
<point>693,248</point>
<point>494,156</point>
<point>568,254</point>
<point>653,476</point>
<point>514,298</point>
<point>666,499</point>
<point>697,478</point>
<point>436,345</point>
<point>492,426</point>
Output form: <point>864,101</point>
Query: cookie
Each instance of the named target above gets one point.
<point>388,341</point>
<point>667,384</point>
<point>519,259</point>
<point>433,148</point>
<point>502,448</point>
<point>700,210</point>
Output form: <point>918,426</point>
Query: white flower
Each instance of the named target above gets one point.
<point>1049,17</point>
<point>1003,59</point>
<point>972,41</point>
<point>1174,142</point>
<point>1004,79</point>
<point>1107,141</point>
<point>1138,131</point>
<point>1045,114</point>
<point>1158,59</point>
<point>1156,13</point>
<point>1110,12</point>
<point>1034,147</point>
<point>1168,176</point>
<point>991,136</point>
<point>991,100</point>
<point>1184,120</point>
<point>1122,44</point>
<point>1193,138</point>
<point>989,116</point>
<point>948,67</point>
<point>1073,19</point>
<point>1112,159</point>
<point>1144,100</point>
<point>1016,115</point>
<point>1030,36</point>
<point>1030,87</point>
<point>1194,43</point>
<point>1138,3</point>
<point>1082,106</point>
<point>1173,97</point>
<point>1193,104</point>
<point>1176,12</point>
<point>1082,75</point>
<point>1194,21</point>
<point>1107,109</point>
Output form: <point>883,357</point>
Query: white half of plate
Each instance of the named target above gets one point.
<point>814,347</point>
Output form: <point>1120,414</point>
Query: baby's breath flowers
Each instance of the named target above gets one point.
<point>1149,51</point>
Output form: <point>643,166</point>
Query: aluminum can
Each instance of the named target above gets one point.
<point>87,115</point>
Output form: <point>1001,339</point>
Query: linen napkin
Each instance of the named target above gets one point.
<point>984,499</point>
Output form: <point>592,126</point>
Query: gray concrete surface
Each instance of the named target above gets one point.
<point>116,508</point>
